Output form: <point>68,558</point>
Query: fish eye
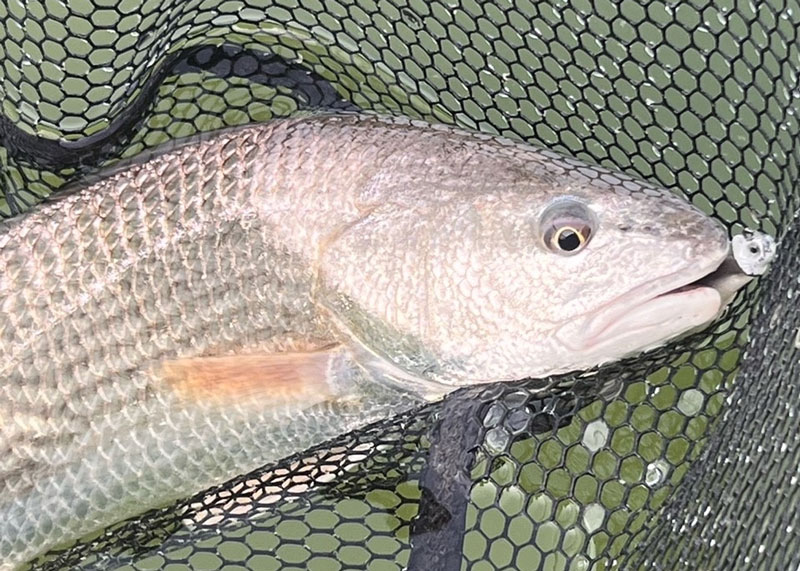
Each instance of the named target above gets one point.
<point>567,227</point>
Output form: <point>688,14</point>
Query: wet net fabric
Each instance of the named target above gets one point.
<point>739,506</point>
<point>673,460</point>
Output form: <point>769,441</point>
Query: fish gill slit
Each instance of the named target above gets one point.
<point>167,237</point>
<point>247,254</point>
<point>328,239</point>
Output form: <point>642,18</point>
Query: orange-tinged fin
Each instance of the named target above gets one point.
<point>259,378</point>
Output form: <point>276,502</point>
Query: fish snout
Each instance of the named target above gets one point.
<point>686,229</point>
<point>705,239</point>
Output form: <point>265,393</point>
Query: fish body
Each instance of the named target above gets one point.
<point>225,301</point>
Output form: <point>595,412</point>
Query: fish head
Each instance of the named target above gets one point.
<point>627,272</point>
<point>525,276</point>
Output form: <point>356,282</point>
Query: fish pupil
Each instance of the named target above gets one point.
<point>568,240</point>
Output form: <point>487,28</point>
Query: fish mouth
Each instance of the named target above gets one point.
<point>658,311</point>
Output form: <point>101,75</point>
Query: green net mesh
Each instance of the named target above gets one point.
<point>608,470</point>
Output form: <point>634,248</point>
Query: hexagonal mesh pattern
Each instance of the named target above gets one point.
<point>700,97</point>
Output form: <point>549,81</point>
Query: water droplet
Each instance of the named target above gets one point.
<point>691,402</point>
<point>656,473</point>
<point>411,18</point>
<point>593,517</point>
<point>580,563</point>
<point>596,435</point>
<point>497,440</point>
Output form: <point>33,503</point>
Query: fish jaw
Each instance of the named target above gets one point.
<point>657,311</point>
<point>649,324</point>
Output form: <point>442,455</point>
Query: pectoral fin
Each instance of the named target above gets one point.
<point>257,378</point>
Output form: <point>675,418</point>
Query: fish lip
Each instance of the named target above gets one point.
<point>684,281</point>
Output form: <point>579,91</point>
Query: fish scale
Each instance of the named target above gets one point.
<point>98,323</point>
<point>225,301</point>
